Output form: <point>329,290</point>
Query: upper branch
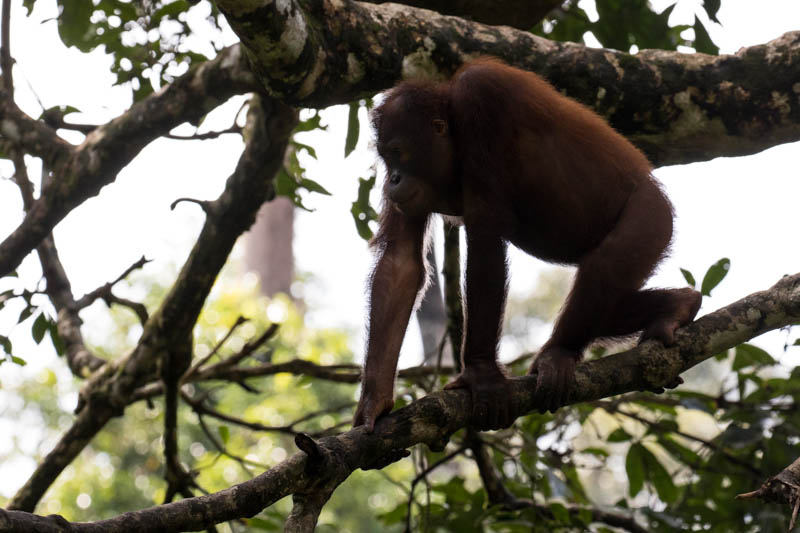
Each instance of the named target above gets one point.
<point>522,14</point>
<point>80,172</point>
<point>677,107</point>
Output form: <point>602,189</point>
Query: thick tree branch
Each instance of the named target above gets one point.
<point>522,14</point>
<point>677,107</point>
<point>19,131</point>
<point>109,390</point>
<point>431,420</point>
<point>80,172</point>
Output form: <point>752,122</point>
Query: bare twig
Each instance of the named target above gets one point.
<point>6,61</point>
<point>203,360</point>
<point>100,292</point>
<point>205,136</point>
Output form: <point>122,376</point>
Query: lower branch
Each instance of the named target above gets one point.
<point>432,419</point>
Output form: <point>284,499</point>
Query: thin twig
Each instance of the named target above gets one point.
<point>203,360</point>
<point>6,61</point>
<point>101,292</point>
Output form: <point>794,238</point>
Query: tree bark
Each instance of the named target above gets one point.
<point>678,108</point>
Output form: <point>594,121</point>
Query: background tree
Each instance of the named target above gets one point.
<point>197,397</point>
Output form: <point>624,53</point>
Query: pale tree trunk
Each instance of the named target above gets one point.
<point>269,246</point>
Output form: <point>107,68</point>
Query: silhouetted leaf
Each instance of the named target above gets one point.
<point>25,314</point>
<point>353,129</point>
<point>712,8</point>
<point>362,211</point>
<point>39,328</point>
<point>5,343</point>
<point>689,278</point>
<point>313,186</point>
<point>702,40</point>
<point>715,274</point>
<point>749,355</point>
<point>659,477</point>
<point>619,435</point>
<point>634,466</point>
<point>560,512</point>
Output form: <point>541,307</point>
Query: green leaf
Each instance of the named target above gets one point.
<point>679,451</point>
<point>715,274</point>
<point>309,149</point>
<point>659,477</point>
<point>361,209</point>
<point>664,425</point>
<point>797,342</point>
<point>39,327</point>
<point>313,186</point>
<point>353,129</point>
<point>560,513</point>
<point>74,24</point>
<point>721,356</point>
<point>749,355</point>
<point>702,40</point>
<point>596,451</point>
<point>5,343</point>
<point>286,185</point>
<point>634,466</point>
<point>689,278</point>
<point>6,296</point>
<point>312,123</point>
<point>170,10</point>
<point>18,360</point>
<point>712,8</point>
<point>25,314</point>
<point>619,435</point>
<point>738,436</point>
<point>224,434</point>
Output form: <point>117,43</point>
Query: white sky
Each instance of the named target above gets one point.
<point>743,208</point>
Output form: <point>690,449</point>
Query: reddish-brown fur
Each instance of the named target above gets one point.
<point>521,164</point>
